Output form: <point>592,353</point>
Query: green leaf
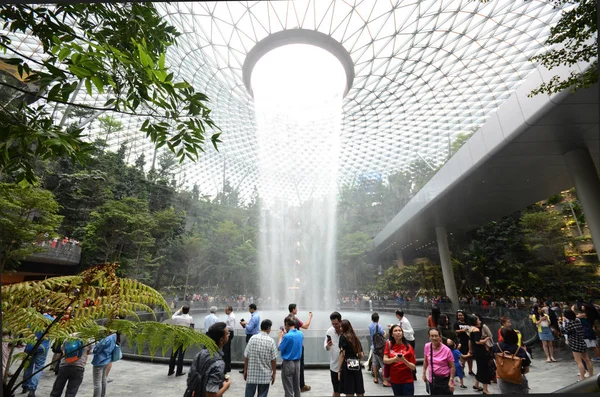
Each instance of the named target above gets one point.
<point>88,86</point>
<point>79,71</point>
<point>98,83</point>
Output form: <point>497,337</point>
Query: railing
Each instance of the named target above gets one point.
<point>62,254</point>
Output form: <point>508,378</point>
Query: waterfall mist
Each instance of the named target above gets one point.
<point>298,103</point>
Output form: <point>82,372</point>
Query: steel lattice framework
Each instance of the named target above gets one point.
<point>425,71</point>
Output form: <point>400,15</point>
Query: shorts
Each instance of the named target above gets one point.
<point>335,382</point>
<point>591,343</point>
<point>376,361</point>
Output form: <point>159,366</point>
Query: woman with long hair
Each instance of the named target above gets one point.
<point>542,320</point>
<point>438,358</point>
<point>573,329</point>
<point>434,317</point>
<point>462,332</point>
<point>400,357</point>
<point>350,374</point>
<point>480,353</point>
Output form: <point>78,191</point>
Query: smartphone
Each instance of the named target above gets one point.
<point>328,338</point>
<point>281,328</point>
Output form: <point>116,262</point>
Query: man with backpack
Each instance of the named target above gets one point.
<point>207,375</point>
<point>71,367</point>
<point>377,334</point>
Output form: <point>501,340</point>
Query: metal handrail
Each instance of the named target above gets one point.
<point>589,385</point>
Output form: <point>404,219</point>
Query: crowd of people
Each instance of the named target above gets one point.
<point>453,346</point>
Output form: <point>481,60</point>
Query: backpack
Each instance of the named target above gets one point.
<point>378,342</point>
<point>196,381</point>
<point>508,366</point>
<point>73,350</point>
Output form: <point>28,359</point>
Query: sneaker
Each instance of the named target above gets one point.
<point>463,386</point>
<point>305,388</point>
<point>108,380</point>
<point>596,359</point>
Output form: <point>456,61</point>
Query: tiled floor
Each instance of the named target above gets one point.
<point>135,379</point>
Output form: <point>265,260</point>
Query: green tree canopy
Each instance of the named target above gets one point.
<point>27,213</point>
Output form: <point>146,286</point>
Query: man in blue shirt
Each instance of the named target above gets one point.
<point>377,360</point>
<point>251,327</point>
<point>37,362</point>
<point>290,346</point>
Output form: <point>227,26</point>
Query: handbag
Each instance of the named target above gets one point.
<point>117,354</point>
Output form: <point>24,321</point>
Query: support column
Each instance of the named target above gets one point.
<point>399,259</point>
<point>447,271</point>
<point>587,186</point>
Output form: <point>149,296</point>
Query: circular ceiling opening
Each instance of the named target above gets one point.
<point>297,36</point>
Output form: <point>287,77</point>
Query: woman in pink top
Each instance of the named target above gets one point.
<point>442,380</point>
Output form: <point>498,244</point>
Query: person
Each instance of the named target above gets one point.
<point>509,344</point>
<point>445,329</point>
<point>376,329</point>
<point>70,374</point>
<point>211,318</point>
<point>260,365</point>
<point>433,318</point>
<point>462,332</point>
<point>293,311</point>
<point>542,320</point>
<point>478,349</point>
<point>102,357</point>
<point>505,321</point>
<point>290,345</point>
<point>230,321</point>
<point>458,357</point>
<point>400,356</point>
<point>332,341</point>
<point>182,318</point>
<point>409,334</point>
<point>571,326</point>
<point>440,359</point>
<point>210,369</point>
<point>590,322</point>
<point>351,352</point>
<point>37,360</point>
<point>251,327</point>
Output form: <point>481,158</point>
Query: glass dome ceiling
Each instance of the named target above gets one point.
<point>425,71</point>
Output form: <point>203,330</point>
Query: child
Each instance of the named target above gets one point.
<point>457,358</point>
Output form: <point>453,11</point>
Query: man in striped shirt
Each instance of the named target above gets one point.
<point>260,358</point>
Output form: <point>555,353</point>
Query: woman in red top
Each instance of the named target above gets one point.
<point>400,357</point>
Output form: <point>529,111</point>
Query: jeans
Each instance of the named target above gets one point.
<point>290,377</point>
<point>99,374</point>
<point>403,389</point>
<point>37,361</point>
<point>71,374</point>
<point>179,355</point>
<point>263,390</point>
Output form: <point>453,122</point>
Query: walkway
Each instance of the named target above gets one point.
<point>134,379</point>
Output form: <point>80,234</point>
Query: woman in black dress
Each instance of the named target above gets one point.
<point>350,373</point>
<point>481,355</point>
<point>462,332</point>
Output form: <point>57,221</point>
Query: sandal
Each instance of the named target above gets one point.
<point>375,381</point>
<point>478,388</point>
<point>388,385</point>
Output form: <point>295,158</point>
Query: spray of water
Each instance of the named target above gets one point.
<point>298,94</point>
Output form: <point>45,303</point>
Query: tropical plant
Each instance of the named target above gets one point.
<point>112,49</point>
<point>575,39</point>
<point>100,302</point>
